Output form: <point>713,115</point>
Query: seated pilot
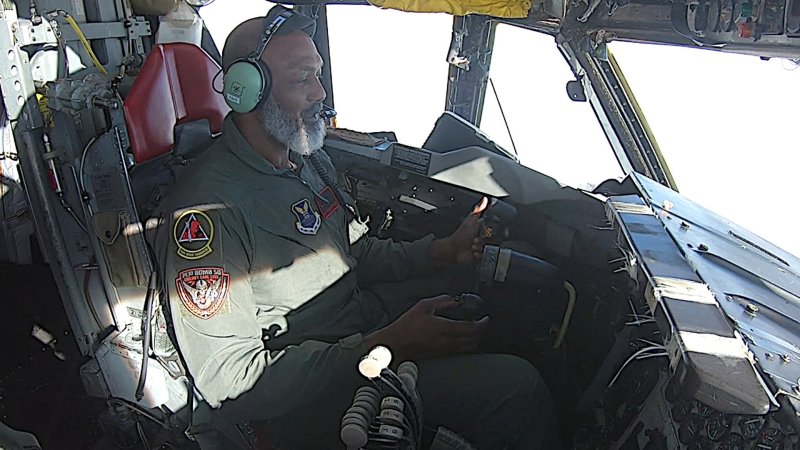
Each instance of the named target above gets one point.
<point>262,256</point>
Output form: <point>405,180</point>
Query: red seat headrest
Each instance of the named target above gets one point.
<point>174,86</point>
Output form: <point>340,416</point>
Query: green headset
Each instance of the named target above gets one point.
<point>248,80</point>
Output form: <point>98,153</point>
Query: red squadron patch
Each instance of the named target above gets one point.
<point>203,290</point>
<point>193,234</point>
<point>193,231</point>
<point>328,204</point>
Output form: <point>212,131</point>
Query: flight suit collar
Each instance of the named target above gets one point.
<point>239,146</point>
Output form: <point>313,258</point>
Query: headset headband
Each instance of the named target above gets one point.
<point>269,31</point>
<point>248,80</point>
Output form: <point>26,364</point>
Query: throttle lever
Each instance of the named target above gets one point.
<point>506,266</point>
<point>496,219</point>
<point>469,307</point>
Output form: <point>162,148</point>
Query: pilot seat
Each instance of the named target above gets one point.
<point>172,113</point>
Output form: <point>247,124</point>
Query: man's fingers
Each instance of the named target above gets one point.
<point>438,303</point>
<point>481,206</point>
<point>466,328</point>
<point>468,342</point>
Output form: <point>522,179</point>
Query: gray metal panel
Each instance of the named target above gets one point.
<point>709,358</point>
<point>755,282</point>
<point>27,121</point>
<point>473,168</point>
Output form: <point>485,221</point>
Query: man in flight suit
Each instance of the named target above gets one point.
<point>263,265</point>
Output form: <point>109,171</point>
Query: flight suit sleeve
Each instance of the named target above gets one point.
<point>206,255</point>
<point>382,260</point>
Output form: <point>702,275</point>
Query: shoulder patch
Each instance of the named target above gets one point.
<point>308,220</point>
<point>203,290</point>
<point>193,234</point>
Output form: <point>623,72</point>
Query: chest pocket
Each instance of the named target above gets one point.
<point>290,267</point>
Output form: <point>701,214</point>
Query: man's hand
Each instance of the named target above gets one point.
<point>464,246</point>
<point>420,333</point>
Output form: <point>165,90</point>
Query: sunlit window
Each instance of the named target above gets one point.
<point>389,69</point>
<point>727,128</point>
<point>221,17</point>
<point>553,134</point>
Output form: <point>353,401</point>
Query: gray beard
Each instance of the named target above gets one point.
<point>304,136</point>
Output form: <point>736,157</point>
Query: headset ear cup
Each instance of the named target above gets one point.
<point>243,85</point>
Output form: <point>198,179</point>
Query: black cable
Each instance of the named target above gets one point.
<point>163,296</point>
<point>142,437</point>
<point>382,445</point>
<point>416,407</point>
<point>328,180</point>
<point>146,323</point>
<point>81,166</point>
<point>72,213</point>
<point>502,113</point>
<point>403,394</point>
<point>214,82</point>
<point>62,46</point>
<point>190,403</point>
<point>88,297</point>
<point>161,421</point>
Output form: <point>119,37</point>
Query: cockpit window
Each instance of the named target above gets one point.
<point>553,134</point>
<point>389,70</point>
<point>726,126</point>
<point>221,17</point>
<point>388,67</point>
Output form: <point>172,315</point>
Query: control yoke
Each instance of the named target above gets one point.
<point>506,266</point>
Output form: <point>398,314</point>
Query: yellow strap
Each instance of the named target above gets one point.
<point>516,9</point>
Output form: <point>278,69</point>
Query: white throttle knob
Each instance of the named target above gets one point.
<point>378,359</point>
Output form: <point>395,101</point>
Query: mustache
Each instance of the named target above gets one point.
<point>320,111</point>
<point>312,113</point>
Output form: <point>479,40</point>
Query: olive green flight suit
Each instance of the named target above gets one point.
<point>260,265</point>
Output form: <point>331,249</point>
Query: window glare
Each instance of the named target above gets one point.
<point>389,69</point>
<point>726,126</point>
<point>553,134</point>
<point>220,18</point>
